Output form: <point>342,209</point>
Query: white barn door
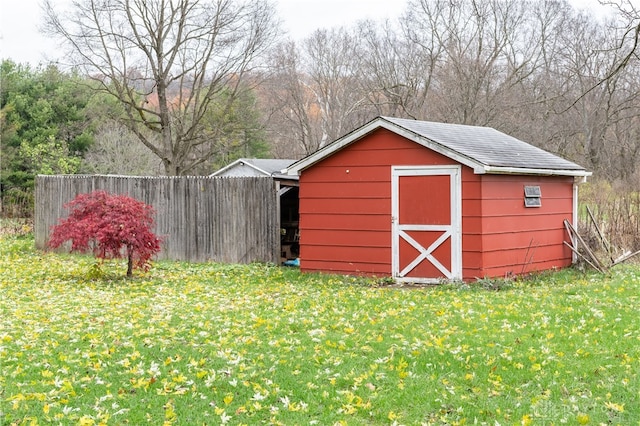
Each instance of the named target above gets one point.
<point>426,204</point>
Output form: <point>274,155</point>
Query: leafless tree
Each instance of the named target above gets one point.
<point>629,40</point>
<point>397,66</point>
<point>484,52</point>
<point>114,153</point>
<point>332,63</point>
<point>594,106</point>
<point>314,94</point>
<point>541,71</point>
<point>289,104</point>
<point>168,62</point>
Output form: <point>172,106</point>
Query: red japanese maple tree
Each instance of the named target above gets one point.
<point>113,226</point>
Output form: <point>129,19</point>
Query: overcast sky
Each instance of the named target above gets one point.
<point>21,41</point>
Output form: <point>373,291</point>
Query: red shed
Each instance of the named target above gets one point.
<point>421,201</point>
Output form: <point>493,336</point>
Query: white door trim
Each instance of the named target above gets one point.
<point>453,230</point>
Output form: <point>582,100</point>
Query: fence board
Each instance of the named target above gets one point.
<point>220,219</point>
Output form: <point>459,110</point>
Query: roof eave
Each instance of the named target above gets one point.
<point>381,122</point>
<point>253,166</point>
<point>225,168</point>
<point>284,176</point>
<point>243,161</point>
<point>531,171</point>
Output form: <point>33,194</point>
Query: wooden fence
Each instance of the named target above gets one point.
<point>234,220</point>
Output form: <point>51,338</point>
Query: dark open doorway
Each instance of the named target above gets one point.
<point>289,223</point>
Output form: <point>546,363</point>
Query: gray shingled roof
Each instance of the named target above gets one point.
<point>486,145</point>
<point>484,149</point>
<point>269,165</point>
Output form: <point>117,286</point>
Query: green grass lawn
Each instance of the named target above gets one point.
<point>194,344</point>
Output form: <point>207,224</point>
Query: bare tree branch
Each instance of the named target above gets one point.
<point>166,61</point>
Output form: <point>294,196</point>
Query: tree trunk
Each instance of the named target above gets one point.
<point>129,263</point>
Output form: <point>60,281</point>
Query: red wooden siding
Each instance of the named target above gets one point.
<point>345,204</point>
<point>471,224</point>
<point>517,239</point>
<point>345,213</point>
